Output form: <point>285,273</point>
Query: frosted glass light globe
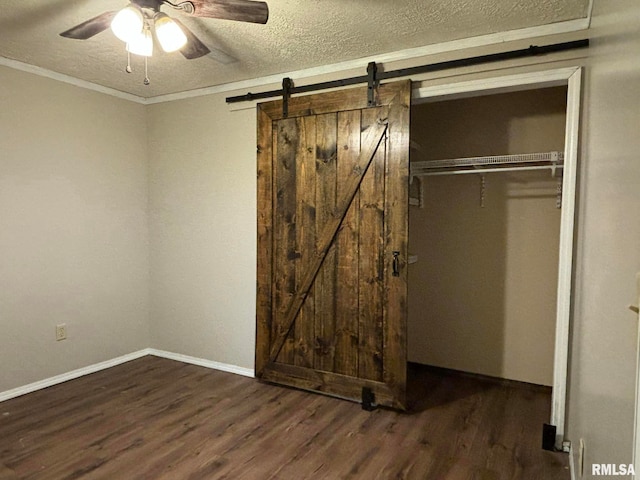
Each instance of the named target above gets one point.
<point>141,44</point>
<point>169,34</point>
<point>127,23</point>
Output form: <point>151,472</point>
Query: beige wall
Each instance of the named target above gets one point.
<point>202,219</point>
<point>202,229</point>
<point>73,227</point>
<point>482,296</point>
<point>604,331</point>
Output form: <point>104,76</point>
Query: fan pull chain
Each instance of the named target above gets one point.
<point>128,69</point>
<point>146,73</point>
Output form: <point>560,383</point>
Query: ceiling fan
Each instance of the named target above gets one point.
<point>140,22</point>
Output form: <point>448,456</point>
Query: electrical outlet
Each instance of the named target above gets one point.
<point>61,331</point>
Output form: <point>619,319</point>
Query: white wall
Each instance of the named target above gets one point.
<point>202,229</point>
<point>482,296</point>
<point>73,227</point>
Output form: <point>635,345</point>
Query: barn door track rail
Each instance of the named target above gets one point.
<point>374,76</point>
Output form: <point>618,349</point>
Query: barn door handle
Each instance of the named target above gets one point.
<point>396,264</point>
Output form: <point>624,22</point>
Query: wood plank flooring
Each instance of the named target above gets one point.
<point>154,418</point>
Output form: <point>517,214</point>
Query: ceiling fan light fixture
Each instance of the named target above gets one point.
<point>128,23</point>
<point>141,44</point>
<point>169,34</point>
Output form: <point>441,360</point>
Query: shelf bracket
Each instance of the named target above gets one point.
<point>554,163</point>
<point>419,200</point>
<point>559,193</point>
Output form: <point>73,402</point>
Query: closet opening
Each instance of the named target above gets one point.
<point>486,231</point>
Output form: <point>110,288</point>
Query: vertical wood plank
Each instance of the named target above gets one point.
<point>305,237</point>
<point>325,284</point>
<point>371,261</point>
<point>274,209</point>
<point>396,239</point>
<point>372,139</point>
<point>285,229</point>
<point>264,240</point>
<point>346,351</point>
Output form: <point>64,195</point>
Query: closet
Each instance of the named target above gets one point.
<point>484,227</point>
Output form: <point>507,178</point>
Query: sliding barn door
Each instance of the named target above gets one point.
<point>332,243</point>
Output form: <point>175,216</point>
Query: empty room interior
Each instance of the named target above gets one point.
<point>279,240</point>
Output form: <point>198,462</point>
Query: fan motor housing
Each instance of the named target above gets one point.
<point>153,4</point>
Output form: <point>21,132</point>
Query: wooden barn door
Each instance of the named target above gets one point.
<point>332,243</point>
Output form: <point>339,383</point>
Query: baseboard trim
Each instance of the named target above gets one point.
<point>65,377</point>
<point>80,372</point>
<point>224,367</point>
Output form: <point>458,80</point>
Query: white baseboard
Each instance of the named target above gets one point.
<point>48,382</point>
<point>224,367</point>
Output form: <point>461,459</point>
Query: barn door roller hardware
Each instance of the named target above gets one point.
<point>287,85</point>
<point>372,83</point>
<point>376,76</point>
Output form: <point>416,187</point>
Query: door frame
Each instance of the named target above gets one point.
<point>570,77</point>
<point>636,430</point>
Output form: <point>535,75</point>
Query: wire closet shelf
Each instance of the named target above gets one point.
<point>489,164</point>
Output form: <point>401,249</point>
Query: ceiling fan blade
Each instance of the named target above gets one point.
<point>91,27</point>
<point>194,47</point>
<point>221,57</point>
<point>240,10</point>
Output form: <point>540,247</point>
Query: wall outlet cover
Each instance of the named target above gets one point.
<point>61,331</point>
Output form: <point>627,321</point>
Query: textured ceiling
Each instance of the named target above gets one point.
<point>299,34</point>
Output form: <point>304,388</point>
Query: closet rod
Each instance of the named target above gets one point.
<point>487,170</point>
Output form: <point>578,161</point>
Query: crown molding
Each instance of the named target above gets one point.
<point>61,77</point>
<point>569,26</point>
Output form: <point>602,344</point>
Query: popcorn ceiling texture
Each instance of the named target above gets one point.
<point>300,34</point>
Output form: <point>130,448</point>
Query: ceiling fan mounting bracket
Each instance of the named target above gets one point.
<point>150,4</point>
<point>186,7</point>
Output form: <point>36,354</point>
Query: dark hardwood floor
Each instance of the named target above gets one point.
<point>154,418</point>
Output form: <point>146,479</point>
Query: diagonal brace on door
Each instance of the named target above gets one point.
<point>371,141</point>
